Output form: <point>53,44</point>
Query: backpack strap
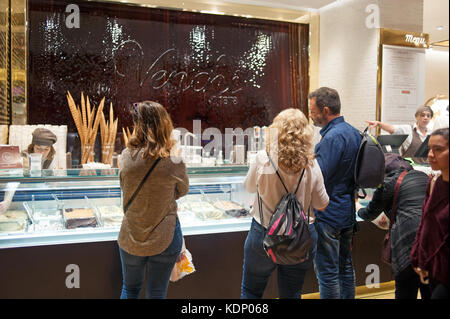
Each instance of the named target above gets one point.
<point>276,171</point>
<point>260,208</point>
<point>303,172</point>
<point>279,176</point>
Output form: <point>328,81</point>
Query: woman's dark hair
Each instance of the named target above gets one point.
<point>50,155</point>
<point>327,97</point>
<point>153,128</point>
<point>442,132</point>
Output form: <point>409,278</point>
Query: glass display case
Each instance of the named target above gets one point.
<point>79,206</point>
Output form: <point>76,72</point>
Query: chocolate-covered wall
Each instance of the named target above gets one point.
<point>228,72</point>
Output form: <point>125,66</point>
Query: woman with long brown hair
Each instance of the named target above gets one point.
<point>290,147</point>
<point>151,180</point>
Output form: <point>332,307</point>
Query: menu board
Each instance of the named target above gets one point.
<point>403,83</point>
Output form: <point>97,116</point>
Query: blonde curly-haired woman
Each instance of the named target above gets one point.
<point>291,149</point>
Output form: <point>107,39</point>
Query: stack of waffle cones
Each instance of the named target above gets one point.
<point>108,132</point>
<point>127,135</point>
<point>87,121</point>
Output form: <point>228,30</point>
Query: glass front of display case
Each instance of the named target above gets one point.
<point>76,206</point>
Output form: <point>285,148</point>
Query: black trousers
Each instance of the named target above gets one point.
<point>438,290</point>
<point>407,283</point>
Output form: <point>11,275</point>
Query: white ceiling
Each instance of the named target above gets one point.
<point>287,4</point>
<point>435,12</point>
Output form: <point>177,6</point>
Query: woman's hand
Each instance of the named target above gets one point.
<point>423,275</point>
<point>358,206</point>
<point>384,126</point>
<point>373,123</point>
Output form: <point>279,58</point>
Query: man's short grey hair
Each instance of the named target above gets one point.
<point>327,97</point>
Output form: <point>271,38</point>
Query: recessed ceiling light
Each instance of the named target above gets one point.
<point>440,28</point>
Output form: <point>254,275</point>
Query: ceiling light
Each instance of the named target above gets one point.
<point>440,28</point>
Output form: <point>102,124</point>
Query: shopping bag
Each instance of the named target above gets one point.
<point>382,221</point>
<point>184,265</point>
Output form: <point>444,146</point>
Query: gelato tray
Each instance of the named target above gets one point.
<point>13,221</point>
<point>79,217</point>
<point>204,210</point>
<point>42,210</point>
<point>48,225</point>
<point>231,208</point>
<point>111,215</point>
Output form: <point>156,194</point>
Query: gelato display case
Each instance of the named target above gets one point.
<point>70,219</point>
<point>73,206</point>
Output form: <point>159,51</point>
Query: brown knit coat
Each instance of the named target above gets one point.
<point>148,226</point>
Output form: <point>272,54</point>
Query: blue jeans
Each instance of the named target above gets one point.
<point>258,267</point>
<point>158,268</point>
<point>333,263</point>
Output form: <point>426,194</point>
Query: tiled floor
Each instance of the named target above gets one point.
<point>388,294</point>
<point>386,291</point>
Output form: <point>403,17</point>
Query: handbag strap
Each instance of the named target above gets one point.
<point>433,181</point>
<point>394,201</point>
<point>141,184</point>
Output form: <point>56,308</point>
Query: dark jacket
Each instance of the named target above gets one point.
<point>431,247</point>
<point>336,155</point>
<point>407,216</point>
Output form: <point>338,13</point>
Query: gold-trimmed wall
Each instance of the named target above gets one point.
<point>18,62</point>
<point>4,61</point>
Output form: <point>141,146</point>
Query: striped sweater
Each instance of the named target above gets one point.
<point>407,217</point>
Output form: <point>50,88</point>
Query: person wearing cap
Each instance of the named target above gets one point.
<point>42,142</point>
<point>407,218</point>
<point>417,133</point>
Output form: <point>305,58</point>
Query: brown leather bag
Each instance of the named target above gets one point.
<point>386,246</point>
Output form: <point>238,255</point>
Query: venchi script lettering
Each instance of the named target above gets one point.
<point>211,80</point>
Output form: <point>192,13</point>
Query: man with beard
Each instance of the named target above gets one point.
<point>336,154</point>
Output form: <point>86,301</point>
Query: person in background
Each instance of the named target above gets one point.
<point>42,143</point>
<point>441,119</point>
<point>336,155</point>
<point>150,234</point>
<point>417,133</point>
<point>430,252</point>
<point>407,217</point>
<point>295,154</point>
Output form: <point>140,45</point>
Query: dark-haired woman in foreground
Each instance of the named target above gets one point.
<point>430,252</point>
